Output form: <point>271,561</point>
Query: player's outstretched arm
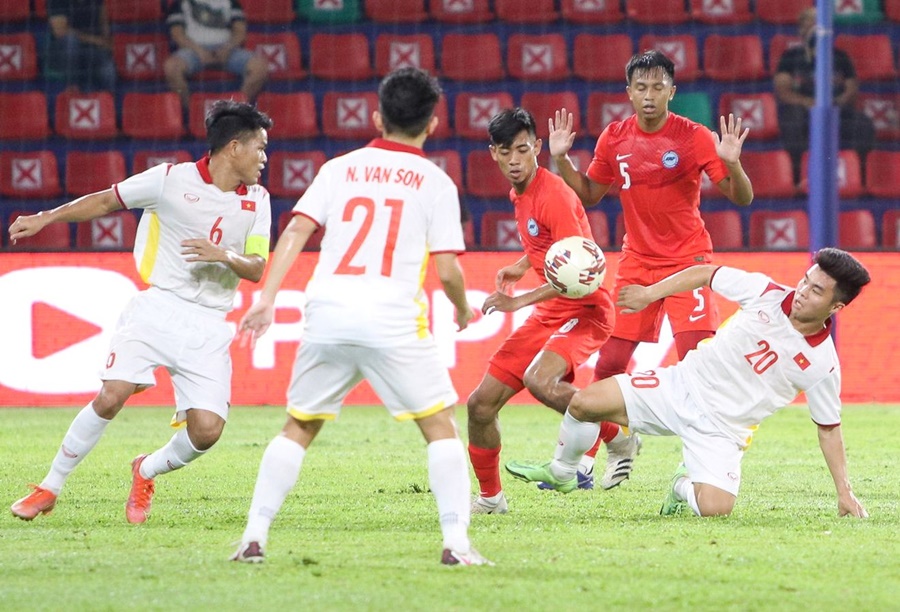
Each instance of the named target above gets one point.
<point>831,441</point>
<point>84,208</point>
<point>736,187</point>
<point>633,298</point>
<point>560,142</point>
<point>453,281</point>
<point>507,276</point>
<point>501,302</point>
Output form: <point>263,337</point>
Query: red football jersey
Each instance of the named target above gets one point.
<point>658,176</point>
<point>549,211</point>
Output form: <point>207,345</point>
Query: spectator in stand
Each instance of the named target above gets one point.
<point>795,88</point>
<point>80,46</point>
<point>211,34</point>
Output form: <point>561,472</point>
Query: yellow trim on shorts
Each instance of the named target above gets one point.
<point>303,416</point>
<point>415,416</point>
<point>148,259</point>
<point>257,245</point>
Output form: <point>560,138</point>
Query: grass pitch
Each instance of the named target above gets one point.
<point>360,529</point>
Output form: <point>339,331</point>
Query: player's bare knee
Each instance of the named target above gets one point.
<point>109,401</point>
<point>715,502</point>
<point>578,407</point>
<point>479,411</point>
<point>204,436</point>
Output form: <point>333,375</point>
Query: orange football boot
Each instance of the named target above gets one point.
<point>39,501</point>
<point>141,497</point>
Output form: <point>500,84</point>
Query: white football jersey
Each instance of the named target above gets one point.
<point>385,208</point>
<point>181,202</point>
<point>757,363</point>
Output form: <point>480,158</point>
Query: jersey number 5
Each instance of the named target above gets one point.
<point>387,256</point>
<point>623,170</point>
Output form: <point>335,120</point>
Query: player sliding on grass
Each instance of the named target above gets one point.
<point>385,209</point>
<point>205,227</point>
<point>777,345</point>
<point>560,334</point>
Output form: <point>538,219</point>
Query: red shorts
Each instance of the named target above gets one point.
<point>689,311</point>
<point>574,334</point>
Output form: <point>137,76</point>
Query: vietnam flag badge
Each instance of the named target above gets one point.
<point>801,360</point>
<point>248,205</point>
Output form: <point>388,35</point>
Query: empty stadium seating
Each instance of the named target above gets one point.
<point>474,111</point>
<point>733,58</point>
<point>24,116</point>
<point>604,108</point>
<point>758,111</point>
<point>294,114</point>
<point>290,173</point>
<point>394,51</point>
<point>348,114</point>
<point>680,48</point>
<point>544,105</point>
<point>25,174</point>
<point>54,237</point>
<point>18,57</point>
<point>884,111</point>
<point>849,176</point>
<point>460,11</point>
<point>396,11</point>
<point>88,172</point>
<point>140,57</point>
<point>890,229</point>
<point>592,12</point>
<point>770,172</point>
<point>483,177</point>
<point>725,228</point>
<point>449,161</point>
<point>537,58</point>
<point>498,231</point>
<point>657,12</point>
<point>340,56</point>
<point>598,57</point>
<point>533,11</point>
<point>156,116</point>
<point>892,9</point>
<point>129,11</point>
<point>113,232</point>
<point>883,174</point>
<point>147,158</point>
<point>268,12</point>
<point>779,229</point>
<point>12,11</point>
<point>781,11</point>
<point>721,11</point>
<point>856,230</point>
<point>471,57</point>
<point>86,116</point>
<point>599,227</point>
<point>281,51</point>
<point>199,104</point>
<point>872,55</point>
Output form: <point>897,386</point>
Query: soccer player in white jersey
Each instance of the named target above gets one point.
<point>385,209</point>
<point>777,345</point>
<point>204,227</point>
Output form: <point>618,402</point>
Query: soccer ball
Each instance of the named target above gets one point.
<point>575,267</point>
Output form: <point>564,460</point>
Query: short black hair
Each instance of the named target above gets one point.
<point>849,275</point>
<point>506,125</point>
<point>406,100</point>
<point>647,61</point>
<point>228,120</point>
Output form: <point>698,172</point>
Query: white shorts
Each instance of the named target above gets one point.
<point>190,341</point>
<point>410,379</point>
<point>658,403</point>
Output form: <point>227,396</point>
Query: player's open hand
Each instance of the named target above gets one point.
<point>633,298</point>
<point>25,226</point>
<point>499,302</point>
<point>848,505</point>
<point>561,135</point>
<point>201,249</point>
<point>255,322</point>
<point>728,146</point>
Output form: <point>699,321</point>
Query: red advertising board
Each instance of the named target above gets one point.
<point>57,311</point>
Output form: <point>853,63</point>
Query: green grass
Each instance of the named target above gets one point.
<point>360,529</point>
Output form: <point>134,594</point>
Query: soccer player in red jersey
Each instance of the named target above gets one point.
<point>656,160</point>
<point>561,333</point>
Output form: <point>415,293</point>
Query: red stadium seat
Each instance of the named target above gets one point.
<point>604,108</point>
<point>23,116</point>
<point>340,57</point>
<point>599,57</point>
<point>349,115</point>
<point>270,12</point>
<point>14,10</point>
<point>200,103</point>
<point>460,11</point>
<point>483,176</point>
<point>592,11</point>
<point>146,158</point>
<point>890,229</point>
<point>721,11</point>
<point>129,11</point>
<point>884,111</point>
<point>533,11</point>
<point>469,234</point>
<point>733,58</point>
<point>471,57</point>
<point>662,12</point>
<point>499,231</point>
<point>544,105</point>
<point>778,44</point>
<point>883,174</point>
<point>113,232</point>
<point>892,10</point>
<point>599,227</point>
<point>396,11</point>
<point>580,158</point>
<point>394,51</point>
<point>156,116</point>
<point>872,56</point>
<point>779,229</point>
<point>849,174</point>
<point>315,241</point>
<point>473,111</point>
<point>770,172</point>
<point>25,174</point>
<point>18,57</point>
<point>442,112</point>
<point>40,8</point>
<point>290,173</point>
<point>537,58</point>
<point>856,230</point>
<point>681,49</point>
<point>294,114</point>
<point>281,51</point>
<point>448,160</point>
<point>758,111</point>
<point>140,57</point>
<point>725,228</point>
<point>54,237</point>
<point>90,172</point>
<point>86,116</point>
<point>781,11</point>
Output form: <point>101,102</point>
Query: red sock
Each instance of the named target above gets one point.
<point>608,431</point>
<point>486,463</point>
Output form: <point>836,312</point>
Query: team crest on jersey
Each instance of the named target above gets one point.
<point>532,227</point>
<point>670,159</point>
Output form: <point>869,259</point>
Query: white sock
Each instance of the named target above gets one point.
<point>684,490</point>
<point>176,454</point>
<point>448,476</point>
<point>278,473</point>
<point>82,436</point>
<point>575,439</point>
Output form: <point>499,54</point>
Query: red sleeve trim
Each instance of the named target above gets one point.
<point>444,252</point>
<point>118,197</point>
<point>711,278</point>
<point>302,214</point>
